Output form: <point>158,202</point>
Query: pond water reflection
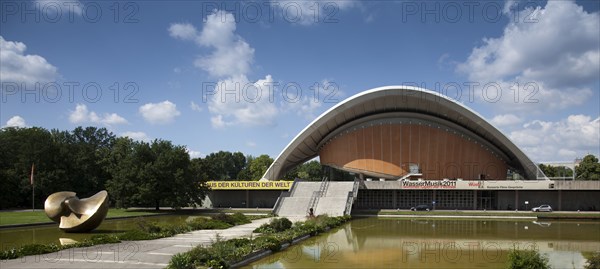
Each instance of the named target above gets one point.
<point>405,243</point>
<point>11,237</point>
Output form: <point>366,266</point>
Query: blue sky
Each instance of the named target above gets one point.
<point>169,69</point>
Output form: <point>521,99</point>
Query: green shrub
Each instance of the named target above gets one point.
<point>12,253</point>
<point>268,242</point>
<point>527,259</point>
<point>280,224</point>
<point>593,262</point>
<point>166,229</point>
<point>223,217</point>
<point>34,249</point>
<point>181,261</point>
<point>147,226</point>
<point>265,229</point>
<point>203,224</point>
<point>216,264</point>
<point>104,239</point>
<point>239,218</point>
<point>136,235</point>
<point>274,226</point>
<point>200,254</point>
<point>223,253</point>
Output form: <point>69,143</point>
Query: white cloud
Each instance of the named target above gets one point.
<point>63,7</point>
<point>139,136</point>
<point>562,140</point>
<point>18,67</point>
<point>16,121</point>
<point>251,144</point>
<point>184,31</point>
<point>243,105</point>
<point>195,154</point>
<point>159,113</point>
<point>557,50</point>
<point>236,100</point>
<point>217,122</point>
<point>505,120</point>
<point>195,107</point>
<point>231,56</point>
<point>81,114</point>
<point>311,103</point>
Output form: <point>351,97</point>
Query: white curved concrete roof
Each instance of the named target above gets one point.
<point>396,99</point>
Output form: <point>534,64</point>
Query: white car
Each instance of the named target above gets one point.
<point>542,208</point>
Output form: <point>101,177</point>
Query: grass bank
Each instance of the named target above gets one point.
<point>146,230</point>
<point>478,213</point>
<point>39,216</point>
<point>275,235</point>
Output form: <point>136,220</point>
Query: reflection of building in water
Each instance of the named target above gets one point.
<point>438,243</point>
<point>373,233</point>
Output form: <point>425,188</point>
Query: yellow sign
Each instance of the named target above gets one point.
<point>249,185</point>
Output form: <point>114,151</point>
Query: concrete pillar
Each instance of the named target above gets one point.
<point>434,199</point>
<point>516,199</point>
<point>247,198</point>
<point>474,199</point>
<point>559,200</point>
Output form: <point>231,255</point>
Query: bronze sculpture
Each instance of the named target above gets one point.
<point>74,214</point>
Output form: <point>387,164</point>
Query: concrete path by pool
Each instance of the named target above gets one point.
<point>131,254</point>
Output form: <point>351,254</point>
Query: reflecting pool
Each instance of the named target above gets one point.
<point>419,243</point>
<point>10,237</point>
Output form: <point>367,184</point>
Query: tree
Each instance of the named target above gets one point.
<point>245,173</point>
<point>259,166</point>
<point>19,149</point>
<point>166,177</point>
<point>311,170</point>
<point>224,165</point>
<point>588,169</point>
<point>556,171</point>
<point>123,166</point>
<point>87,149</point>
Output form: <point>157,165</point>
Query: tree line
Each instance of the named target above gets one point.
<point>135,173</point>
<point>587,169</point>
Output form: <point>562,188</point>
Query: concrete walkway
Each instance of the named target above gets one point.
<point>131,254</point>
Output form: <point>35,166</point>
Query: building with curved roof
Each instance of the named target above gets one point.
<point>408,148</point>
<point>400,131</point>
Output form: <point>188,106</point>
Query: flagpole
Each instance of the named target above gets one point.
<point>32,188</point>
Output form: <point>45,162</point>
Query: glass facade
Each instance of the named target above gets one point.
<point>405,199</point>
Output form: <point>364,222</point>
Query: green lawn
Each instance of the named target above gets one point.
<point>25,217</point>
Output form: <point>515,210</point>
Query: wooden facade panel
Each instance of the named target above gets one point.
<point>369,149</point>
<point>405,147</point>
<point>397,148</point>
<point>424,140</point>
<point>389,149</point>
<point>361,162</point>
<point>377,148</point>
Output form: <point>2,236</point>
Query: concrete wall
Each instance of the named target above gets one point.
<point>237,198</point>
<point>577,185</point>
<point>570,200</point>
<point>581,200</point>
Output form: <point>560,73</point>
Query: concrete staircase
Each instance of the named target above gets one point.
<point>333,198</point>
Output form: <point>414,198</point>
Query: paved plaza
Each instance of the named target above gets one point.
<point>131,254</point>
